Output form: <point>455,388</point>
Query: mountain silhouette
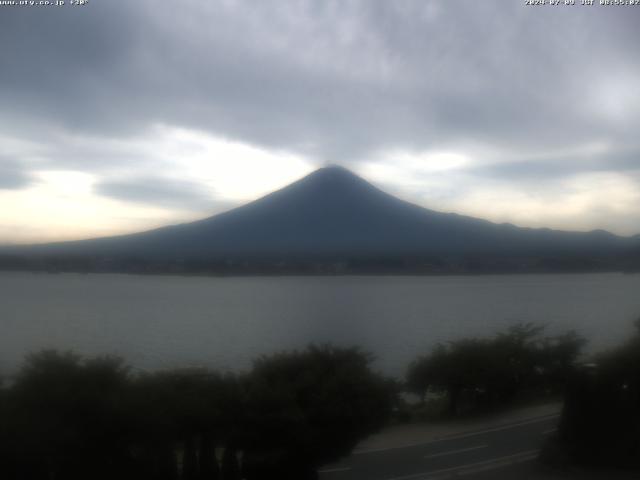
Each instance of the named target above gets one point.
<point>334,213</point>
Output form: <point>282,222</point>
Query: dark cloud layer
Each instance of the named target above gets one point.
<point>335,79</point>
<point>156,191</point>
<point>561,166</point>
<point>12,177</point>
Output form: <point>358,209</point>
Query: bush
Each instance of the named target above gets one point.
<point>600,423</point>
<point>74,418</point>
<point>312,407</point>
<point>486,373</point>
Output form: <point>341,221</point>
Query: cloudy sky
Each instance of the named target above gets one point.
<point>118,116</point>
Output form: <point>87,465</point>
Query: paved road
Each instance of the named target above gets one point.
<point>496,452</point>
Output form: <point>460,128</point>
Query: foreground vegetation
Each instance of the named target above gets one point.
<point>478,374</point>
<point>600,424</point>
<point>65,417</point>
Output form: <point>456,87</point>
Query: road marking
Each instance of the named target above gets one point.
<point>462,435</point>
<point>470,468</point>
<point>453,452</point>
<point>550,431</point>
<point>335,470</point>
<point>500,428</point>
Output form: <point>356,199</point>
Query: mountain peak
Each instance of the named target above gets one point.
<point>334,171</point>
<point>334,175</point>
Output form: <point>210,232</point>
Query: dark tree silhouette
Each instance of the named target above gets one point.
<point>486,373</point>
<point>69,418</point>
<point>309,408</point>
<point>230,465</point>
<point>181,414</point>
<point>600,422</point>
<point>65,417</point>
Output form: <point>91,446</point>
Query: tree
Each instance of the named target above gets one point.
<point>66,417</point>
<point>600,423</point>
<point>186,412</point>
<point>309,408</point>
<point>485,373</point>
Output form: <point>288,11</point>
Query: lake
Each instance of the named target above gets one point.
<point>170,321</point>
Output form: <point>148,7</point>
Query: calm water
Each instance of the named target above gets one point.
<point>164,321</point>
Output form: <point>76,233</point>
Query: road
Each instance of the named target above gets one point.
<point>496,452</point>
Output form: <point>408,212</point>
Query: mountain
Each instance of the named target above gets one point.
<point>334,214</point>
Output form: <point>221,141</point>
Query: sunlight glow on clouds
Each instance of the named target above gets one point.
<point>56,199</point>
<point>200,175</point>
<point>413,169</point>
<point>455,182</point>
<point>582,202</point>
<point>234,171</point>
<point>62,206</point>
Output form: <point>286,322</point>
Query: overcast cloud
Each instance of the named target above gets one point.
<point>491,108</point>
<point>12,175</point>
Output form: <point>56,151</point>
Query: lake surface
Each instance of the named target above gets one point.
<point>166,321</point>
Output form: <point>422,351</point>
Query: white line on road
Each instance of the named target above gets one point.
<point>335,470</point>
<point>453,452</point>
<point>498,429</point>
<point>470,468</point>
<point>550,431</point>
<point>462,435</point>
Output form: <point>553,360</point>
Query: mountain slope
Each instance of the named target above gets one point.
<point>334,212</point>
